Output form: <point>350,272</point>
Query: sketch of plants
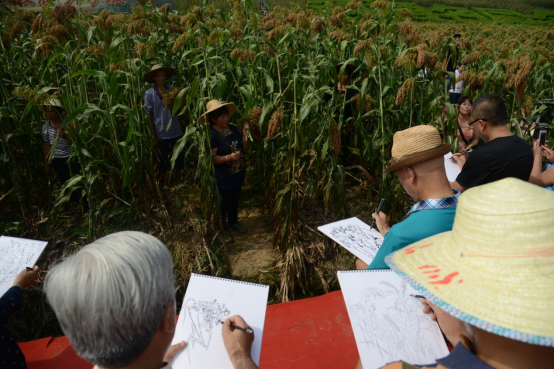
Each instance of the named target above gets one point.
<point>395,331</point>
<point>357,239</point>
<point>16,255</point>
<point>202,317</point>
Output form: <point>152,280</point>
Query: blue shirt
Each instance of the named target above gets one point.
<point>10,353</point>
<point>229,175</point>
<point>161,115</point>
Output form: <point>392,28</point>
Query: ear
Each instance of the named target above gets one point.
<point>168,323</point>
<point>411,174</point>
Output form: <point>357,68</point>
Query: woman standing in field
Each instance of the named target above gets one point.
<point>228,144</point>
<point>467,139</point>
<point>54,130</point>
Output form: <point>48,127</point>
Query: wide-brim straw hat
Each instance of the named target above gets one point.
<point>214,105</point>
<point>54,103</point>
<point>495,269</point>
<point>169,72</point>
<point>415,145</point>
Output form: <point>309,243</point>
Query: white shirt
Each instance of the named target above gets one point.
<point>459,86</point>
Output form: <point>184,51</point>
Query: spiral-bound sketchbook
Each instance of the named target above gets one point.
<point>388,323</point>
<point>15,255</point>
<point>356,236</point>
<point>209,300</point>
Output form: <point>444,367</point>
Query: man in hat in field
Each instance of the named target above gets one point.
<point>491,287</point>
<point>167,128</point>
<point>418,160</point>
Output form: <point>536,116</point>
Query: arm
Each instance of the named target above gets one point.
<point>12,300</point>
<point>538,177</point>
<point>221,159</point>
<point>474,142</point>
<point>452,327</point>
<point>238,343</point>
<point>455,185</point>
<point>245,140</point>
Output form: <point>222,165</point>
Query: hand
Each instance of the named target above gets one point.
<point>173,350</point>
<point>26,278</point>
<point>428,310</point>
<point>353,100</point>
<point>360,265</point>
<point>238,343</point>
<point>548,154</point>
<point>452,328</point>
<point>537,149</point>
<point>60,133</point>
<point>234,156</point>
<point>460,159</point>
<point>382,222</point>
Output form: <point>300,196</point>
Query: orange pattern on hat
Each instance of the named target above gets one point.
<point>411,250</point>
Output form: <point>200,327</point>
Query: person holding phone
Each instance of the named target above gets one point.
<point>538,177</point>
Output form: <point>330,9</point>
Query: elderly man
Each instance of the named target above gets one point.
<point>418,160</point>
<point>505,155</point>
<point>492,295</point>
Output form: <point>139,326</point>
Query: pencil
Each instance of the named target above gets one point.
<point>249,331</point>
<point>378,210</point>
<point>29,268</point>
<point>417,296</point>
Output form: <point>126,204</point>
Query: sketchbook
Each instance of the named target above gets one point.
<point>208,301</point>
<point>452,169</point>
<point>355,236</point>
<point>16,254</point>
<point>389,324</point>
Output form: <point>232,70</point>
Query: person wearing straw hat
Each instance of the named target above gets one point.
<point>492,288</point>
<point>418,160</point>
<point>167,128</point>
<point>54,135</point>
<point>228,146</point>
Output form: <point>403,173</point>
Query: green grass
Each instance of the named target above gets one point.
<point>446,13</point>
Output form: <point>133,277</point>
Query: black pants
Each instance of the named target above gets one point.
<point>64,168</point>
<point>229,206</point>
<point>165,152</point>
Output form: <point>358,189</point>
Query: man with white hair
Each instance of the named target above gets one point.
<point>115,301</point>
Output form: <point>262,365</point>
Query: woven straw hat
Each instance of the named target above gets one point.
<point>216,104</point>
<point>55,103</point>
<point>415,145</point>
<point>169,72</point>
<point>495,269</point>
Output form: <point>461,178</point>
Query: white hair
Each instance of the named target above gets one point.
<point>111,296</point>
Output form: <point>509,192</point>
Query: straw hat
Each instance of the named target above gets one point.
<point>54,103</point>
<point>216,104</point>
<point>495,269</point>
<point>169,72</point>
<point>415,145</point>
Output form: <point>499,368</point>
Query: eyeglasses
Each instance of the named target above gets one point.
<point>478,119</point>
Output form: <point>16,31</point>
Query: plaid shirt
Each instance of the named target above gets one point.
<point>436,203</point>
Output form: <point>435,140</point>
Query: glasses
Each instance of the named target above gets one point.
<point>478,119</point>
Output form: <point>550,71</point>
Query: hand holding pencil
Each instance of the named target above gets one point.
<point>237,338</point>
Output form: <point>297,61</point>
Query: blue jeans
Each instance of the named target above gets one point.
<point>454,97</point>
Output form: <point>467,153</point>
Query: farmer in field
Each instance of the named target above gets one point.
<point>228,145</point>
<point>418,160</point>
<point>55,130</point>
<point>451,61</point>
<point>167,128</point>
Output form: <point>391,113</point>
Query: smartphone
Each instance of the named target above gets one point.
<point>542,137</point>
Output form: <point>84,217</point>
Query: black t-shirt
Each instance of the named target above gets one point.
<point>509,156</point>
<point>451,64</point>
<point>229,175</point>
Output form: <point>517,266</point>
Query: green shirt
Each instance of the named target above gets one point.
<point>419,225</point>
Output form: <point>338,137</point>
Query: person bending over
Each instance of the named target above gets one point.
<point>504,155</point>
<point>418,160</point>
<point>492,296</point>
<point>11,356</point>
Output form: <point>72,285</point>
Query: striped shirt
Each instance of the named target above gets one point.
<point>63,149</point>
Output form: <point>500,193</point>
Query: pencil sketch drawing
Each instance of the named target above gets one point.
<point>357,239</point>
<point>202,318</point>
<point>393,326</point>
<point>15,255</point>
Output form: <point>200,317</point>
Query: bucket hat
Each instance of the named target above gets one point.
<point>415,145</point>
<point>169,72</point>
<point>215,104</point>
<point>495,269</point>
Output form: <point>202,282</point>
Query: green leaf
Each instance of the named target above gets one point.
<point>97,74</point>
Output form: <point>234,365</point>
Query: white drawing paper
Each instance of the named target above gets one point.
<point>452,169</point>
<point>389,324</point>
<point>355,236</point>
<point>15,255</point>
<point>209,300</point>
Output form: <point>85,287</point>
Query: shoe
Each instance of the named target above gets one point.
<point>227,238</point>
<point>238,227</point>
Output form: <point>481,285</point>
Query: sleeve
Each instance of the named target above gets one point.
<point>390,244</point>
<point>213,141</point>
<point>474,172</point>
<point>11,301</point>
<point>45,137</point>
<point>149,102</point>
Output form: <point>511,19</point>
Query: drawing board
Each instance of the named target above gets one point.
<point>355,236</point>
<point>389,324</point>
<point>15,255</point>
<point>209,300</point>
<point>452,169</point>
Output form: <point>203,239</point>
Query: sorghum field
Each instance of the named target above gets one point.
<point>276,69</point>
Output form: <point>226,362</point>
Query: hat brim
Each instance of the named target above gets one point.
<point>494,300</point>
<point>169,72</point>
<point>410,160</point>
<point>231,107</point>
